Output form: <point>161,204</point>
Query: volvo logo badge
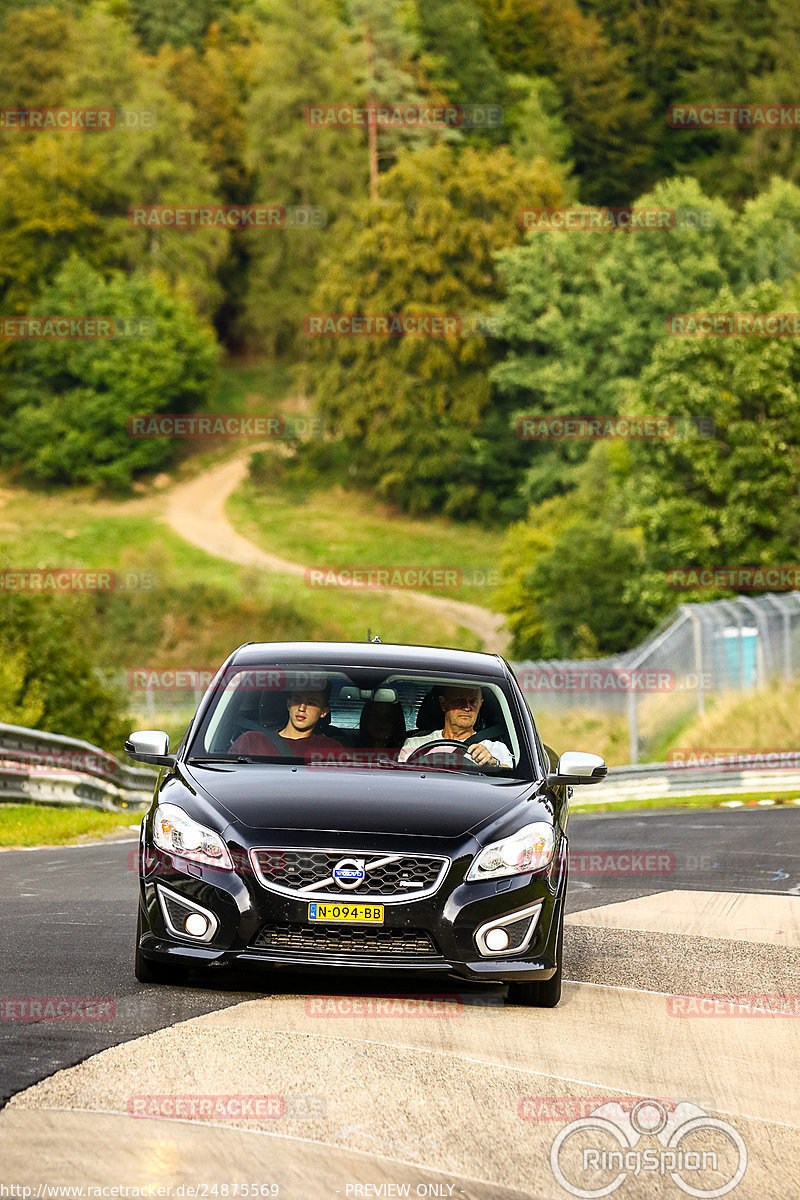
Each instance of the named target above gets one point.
<point>349,873</point>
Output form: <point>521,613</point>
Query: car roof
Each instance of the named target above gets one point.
<point>372,654</point>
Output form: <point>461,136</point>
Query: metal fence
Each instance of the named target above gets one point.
<point>48,768</point>
<point>700,651</point>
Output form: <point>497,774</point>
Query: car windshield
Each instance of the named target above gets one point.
<point>375,718</point>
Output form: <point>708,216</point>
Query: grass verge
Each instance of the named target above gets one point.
<point>340,529</point>
<point>753,799</point>
<point>38,825</point>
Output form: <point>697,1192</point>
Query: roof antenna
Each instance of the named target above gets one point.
<point>370,638</point>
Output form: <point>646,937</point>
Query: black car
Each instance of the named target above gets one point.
<point>331,844</point>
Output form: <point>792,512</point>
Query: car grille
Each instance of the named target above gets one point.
<point>403,875</point>
<point>390,942</point>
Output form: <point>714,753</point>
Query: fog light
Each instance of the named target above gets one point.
<point>496,939</point>
<point>197,925</point>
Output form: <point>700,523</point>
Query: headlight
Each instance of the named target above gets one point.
<point>177,833</point>
<point>530,849</point>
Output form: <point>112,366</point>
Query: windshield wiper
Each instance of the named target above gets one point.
<point>221,758</point>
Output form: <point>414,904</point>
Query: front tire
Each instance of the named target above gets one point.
<point>544,993</point>
<point>147,971</point>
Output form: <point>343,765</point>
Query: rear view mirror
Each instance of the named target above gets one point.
<point>150,746</point>
<point>574,766</point>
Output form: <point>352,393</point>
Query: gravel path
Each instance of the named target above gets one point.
<point>196,511</point>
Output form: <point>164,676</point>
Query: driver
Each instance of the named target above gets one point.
<point>298,737</point>
<point>461,706</point>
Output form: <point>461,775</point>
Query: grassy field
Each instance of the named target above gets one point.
<point>768,719</point>
<point>37,825</point>
<point>733,799</point>
<point>338,528</point>
<point>200,607</point>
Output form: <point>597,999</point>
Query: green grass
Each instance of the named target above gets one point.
<point>745,799</point>
<point>339,528</point>
<point>201,607</point>
<point>249,386</point>
<point>37,825</point>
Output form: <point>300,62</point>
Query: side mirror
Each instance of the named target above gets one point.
<point>576,767</point>
<point>150,746</point>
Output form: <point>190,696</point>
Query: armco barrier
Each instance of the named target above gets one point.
<point>654,781</point>
<point>105,782</point>
<point>30,772</point>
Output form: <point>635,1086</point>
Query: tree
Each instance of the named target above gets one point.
<point>389,46</point>
<point>45,651</point>
<point>732,499</point>
<point>177,22</point>
<point>746,55</point>
<point>306,60</point>
<point>69,401</point>
<point>70,191</point>
<point>606,120</point>
<point>584,311</point>
<point>664,46</point>
<point>569,570</point>
<point>36,49</point>
<point>459,61</point>
<point>414,411</point>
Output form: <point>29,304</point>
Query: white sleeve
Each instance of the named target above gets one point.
<point>501,752</point>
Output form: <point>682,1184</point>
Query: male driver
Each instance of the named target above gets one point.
<point>297,737</point>
<point>461,706</point>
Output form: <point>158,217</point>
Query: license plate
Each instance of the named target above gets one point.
<point>362,914</point>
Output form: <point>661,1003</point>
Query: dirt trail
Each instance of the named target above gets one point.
<point>196,511</point>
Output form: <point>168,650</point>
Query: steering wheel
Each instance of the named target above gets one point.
<point>430,746</point>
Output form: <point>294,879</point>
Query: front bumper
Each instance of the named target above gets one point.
<point>241,908</point>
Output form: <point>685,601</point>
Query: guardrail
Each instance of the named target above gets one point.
<point>48,768</point>
<point>653,781</point>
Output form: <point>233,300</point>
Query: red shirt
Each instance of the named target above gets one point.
<point>253,742</point>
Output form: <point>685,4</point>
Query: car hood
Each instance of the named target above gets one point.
<point>265,797</point>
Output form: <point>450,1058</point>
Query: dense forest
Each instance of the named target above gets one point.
<point>561,104</point>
